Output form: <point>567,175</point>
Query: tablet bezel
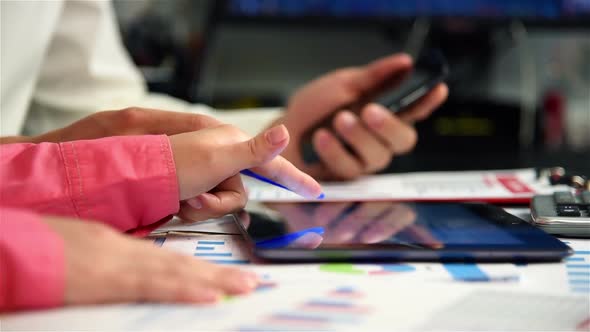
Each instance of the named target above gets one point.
<point>536,246</point>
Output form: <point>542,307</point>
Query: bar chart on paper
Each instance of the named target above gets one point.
<point>450,271</point>
<point>577,267</point>
<point>221,249</point>
<point>342,306</point>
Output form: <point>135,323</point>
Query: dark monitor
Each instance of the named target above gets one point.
<point>566,12</point>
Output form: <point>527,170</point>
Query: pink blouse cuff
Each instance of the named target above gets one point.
<point>137,186</point>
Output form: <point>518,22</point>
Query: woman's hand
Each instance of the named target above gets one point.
<point>208,163</point>
<point>208,155</point>
<point>103,266</point>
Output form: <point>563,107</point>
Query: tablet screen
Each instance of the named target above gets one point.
<point>397,224</point>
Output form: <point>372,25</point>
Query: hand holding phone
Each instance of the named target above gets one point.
<point>429,70</point>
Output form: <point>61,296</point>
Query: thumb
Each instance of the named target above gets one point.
<point>260,149</point>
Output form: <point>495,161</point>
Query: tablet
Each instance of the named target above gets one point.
<point>393,231</point>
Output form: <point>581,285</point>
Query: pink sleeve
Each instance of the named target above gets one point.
<point>31,262</point>
<point>125,181</point>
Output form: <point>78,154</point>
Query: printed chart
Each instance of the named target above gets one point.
<point>221,249</point>
<point>339,307</point>
<point>449,271</point>
<point>578,267</point>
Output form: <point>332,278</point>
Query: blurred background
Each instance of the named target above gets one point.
<point>519,82</point>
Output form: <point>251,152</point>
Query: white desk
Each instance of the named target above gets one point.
<point>355,297</point>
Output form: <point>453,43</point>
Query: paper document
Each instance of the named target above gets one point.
<point>572,276</point>
<point>512,312</point>
<point>354,297</point>
<point>511,186</point>
<point>223,225</point>
<point>375,306</point>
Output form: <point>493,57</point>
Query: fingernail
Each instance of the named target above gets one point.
<point>247,281</point>
<point>205,295</point>
<point>406,58</point>
<point>323,139</point>
<point>195,202</point>
<point>370,237</point>
<point>252,280</point>
<point>377,116</point>
<point>276,135</point>
<point>348,120</point>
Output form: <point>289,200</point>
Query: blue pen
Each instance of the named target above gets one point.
<point>249,173</point>
<point>285,240</point>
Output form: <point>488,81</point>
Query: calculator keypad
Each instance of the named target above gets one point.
<point>563,213</point>
<point>568,204</point>
<point>568,211</point>
<point>564,198</point>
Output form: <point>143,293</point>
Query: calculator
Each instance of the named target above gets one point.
<point>563,213</point>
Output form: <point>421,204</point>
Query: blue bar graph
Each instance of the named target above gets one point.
<point>219,251</point>
<point>205,248</point>
<point>466,272</point>
<point>229,261</point>
<point>580,282</point>
<point>575,259</point>
<point>211,242</point>
<point>578,266</point>
<point>213,254</point>
<point>578,272</point>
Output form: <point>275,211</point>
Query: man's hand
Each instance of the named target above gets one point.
<point>129,121</point>
<point>103,266</point>
<point>375,134</point>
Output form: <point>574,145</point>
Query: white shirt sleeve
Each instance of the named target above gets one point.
<point>251,121</point>
<point>26,29</point>
<point>87,69</point>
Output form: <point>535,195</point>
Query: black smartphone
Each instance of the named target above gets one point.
<point>394,231</point>
<point>429,70</point>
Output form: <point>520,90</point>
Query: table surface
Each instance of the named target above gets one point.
<point>341,297</point>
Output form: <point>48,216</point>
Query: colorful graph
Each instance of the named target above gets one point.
<point>371,269</point>
<point>578,271</point>
<point>464,272</point>
<point>339,307</point>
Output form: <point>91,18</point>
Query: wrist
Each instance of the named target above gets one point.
<point>16,139</point>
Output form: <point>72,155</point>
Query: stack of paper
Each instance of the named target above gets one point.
<point>506,186</point>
